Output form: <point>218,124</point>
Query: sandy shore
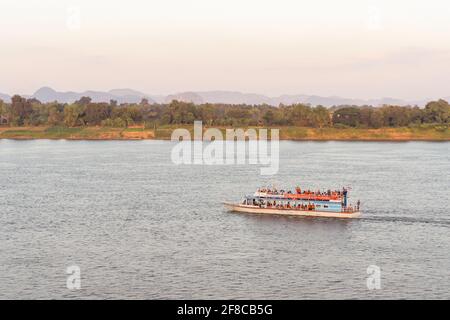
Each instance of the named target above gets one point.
<point>286,133</point>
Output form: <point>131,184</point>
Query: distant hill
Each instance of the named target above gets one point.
<point>5,97</point>
<point>126,92</point>
<point>234,97</point>
<point>47,94</point>
<point>334,100</point>
<point>185,97</point>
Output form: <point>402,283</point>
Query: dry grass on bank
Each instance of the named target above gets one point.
<point>439,133</point>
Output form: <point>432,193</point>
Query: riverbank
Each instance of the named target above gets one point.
<point>430,133</point>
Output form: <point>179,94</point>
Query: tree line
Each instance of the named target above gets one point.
<point>31,112</point>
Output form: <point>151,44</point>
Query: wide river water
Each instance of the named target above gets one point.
<point>139,226</point>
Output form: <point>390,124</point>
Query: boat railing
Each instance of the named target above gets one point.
<point>350,209</point>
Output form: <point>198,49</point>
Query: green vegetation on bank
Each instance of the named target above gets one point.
<point>423,132</point>
<point>30,119</point>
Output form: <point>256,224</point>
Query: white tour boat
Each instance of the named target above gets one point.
<point>330,204</point>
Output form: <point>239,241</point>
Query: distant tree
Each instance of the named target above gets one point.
<point>181,112</point>
<point>269,117</point>
<point>55,114</point>
<point>208,114</point>
<point>2,108</point>
<point>320,117</point>
<point>133,114</point>
<point>299,115</point>
<point>239,116</point>
<point>437,112</point>
<point>84,101</point>
<point>4,114</point>
<point>416,115</point>
<point>376,119</point>
<point>395,116</point>
<point>97,112</point>
<point>113,103</point>
<point>23,111</point>
<point>39,115</point>
<point>348,116</point>
<point>20,110</point>
<point>73,115</point>
<point>151,113</point>
<point>34,101</point>
<point>365,114</point>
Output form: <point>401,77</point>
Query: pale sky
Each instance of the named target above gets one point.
<point>349,48</point>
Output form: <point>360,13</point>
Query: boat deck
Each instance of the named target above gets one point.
<point>290,212</point>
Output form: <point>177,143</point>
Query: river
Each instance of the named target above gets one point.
<point>139,226</point>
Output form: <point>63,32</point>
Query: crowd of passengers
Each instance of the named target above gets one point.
<point>329,192</point>
<point>300,206</point>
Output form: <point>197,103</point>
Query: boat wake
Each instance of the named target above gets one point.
<point>440,222</point>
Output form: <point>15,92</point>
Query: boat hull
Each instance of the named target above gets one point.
<point>290,212</point>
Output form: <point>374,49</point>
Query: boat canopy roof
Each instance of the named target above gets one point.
<point>334,196</point>
<point>278,198</point>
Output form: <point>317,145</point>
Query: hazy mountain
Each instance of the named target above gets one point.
<point>316,100</point>
<point>185,97</point>
<point>126,92</point>
<point>234,97</point>
<point>5,97</point>
<point>124,95</point>
<point>46,94</point>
